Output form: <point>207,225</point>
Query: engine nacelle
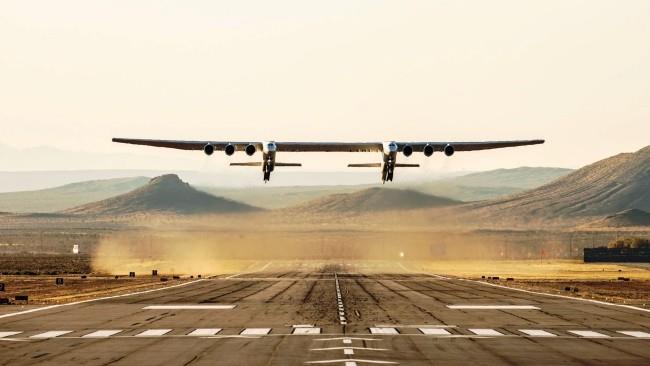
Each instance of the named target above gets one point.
<point>449,150</point>
<point>407,150</point>
<point>428,150</point>
<point>250,149</point>
<point>208,149</point>
<point>229,149</point>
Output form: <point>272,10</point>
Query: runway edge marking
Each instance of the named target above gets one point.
<point>531,292</point>
<point>49,307</point>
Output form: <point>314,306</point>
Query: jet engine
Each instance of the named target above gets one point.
<point>449,150</point>
<point>428,150</point>
<point>208,149</point>
<point>229,149</point>
<point>250,150</point>
<point>407,150</point>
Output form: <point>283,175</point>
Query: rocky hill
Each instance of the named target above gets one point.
<point>163,194</point>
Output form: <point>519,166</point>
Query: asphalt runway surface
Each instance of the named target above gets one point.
<point>328,314</point>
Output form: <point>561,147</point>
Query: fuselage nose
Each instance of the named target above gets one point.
<point>389,147</point>
<point>269,146</point>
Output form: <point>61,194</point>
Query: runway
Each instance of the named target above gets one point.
<point>328,314</point>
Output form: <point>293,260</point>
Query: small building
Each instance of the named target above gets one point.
<point>603,254</point>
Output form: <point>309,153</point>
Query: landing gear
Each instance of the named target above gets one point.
<point>267,176</point>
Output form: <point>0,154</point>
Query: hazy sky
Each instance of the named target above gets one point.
<point>73,74</point>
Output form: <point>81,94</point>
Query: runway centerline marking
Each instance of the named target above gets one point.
<point>189,307</point>
<point>493,307</point>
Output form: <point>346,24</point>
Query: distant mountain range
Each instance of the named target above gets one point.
<point>609,186</point>
<point>164,194</point>
<point>69,195</point>
<point>627,218</point>
<point>372,200</point>
<point>98,184</point>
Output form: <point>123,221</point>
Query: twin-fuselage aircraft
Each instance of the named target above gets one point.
<point>389,150</point>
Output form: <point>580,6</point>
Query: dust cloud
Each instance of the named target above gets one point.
<point>201,247</point>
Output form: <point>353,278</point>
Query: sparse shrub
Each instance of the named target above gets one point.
<point>629,242</point>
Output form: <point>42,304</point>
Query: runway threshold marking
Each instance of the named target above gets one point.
<point>348,361</point>
<point>255,331</point>
<point>8,334</point>
<point>51,334</point>
<point>636,334</point>
<point>493,307</point>
<point>189,307</point>
<point>153,333</point>
<point>204,332</point>
<point>102,333</point>
<point>537,333</point>
<point>49,307</point>
<point>485,332</point>
<point>434,331</point>
<point>305,330</point>
<point>588,334</point>
<point>383,330</point>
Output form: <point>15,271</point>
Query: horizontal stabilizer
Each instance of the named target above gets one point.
<point>288,164</point>
<point>367,165</point>
<point>407,165</point>
<point>252,163</point>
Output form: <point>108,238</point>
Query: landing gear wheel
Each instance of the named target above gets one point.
<point>267,176</point>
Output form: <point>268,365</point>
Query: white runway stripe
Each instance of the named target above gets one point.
<point>383,330</point>
<point>51,334</point>
<point>588,333</point>
<point>434,331</point>
<point>189,307</point>
<point>8,334</point>
<point>255,331</point>
<point>153,333</point>
<point>102,333</point>
<point>636,334</point>
<point>493,307</point>
<point>485,332</point>
<point>537,333</point>
<point>205,332</point>
<point>304,330</point>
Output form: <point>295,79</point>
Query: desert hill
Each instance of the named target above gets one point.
<point>627,218</point>
<point>69,195</point>
<point>164,194</point>
<point>372,200</point>
<point>606,187</point>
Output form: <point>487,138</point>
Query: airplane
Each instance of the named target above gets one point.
<point>389,150</point>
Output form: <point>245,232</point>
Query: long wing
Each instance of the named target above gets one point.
<point>328,146</point>
<point>282,146</point>
<point>468,146</point>
<point>186,145</point>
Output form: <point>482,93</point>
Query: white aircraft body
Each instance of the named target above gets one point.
<point>389,150</point>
